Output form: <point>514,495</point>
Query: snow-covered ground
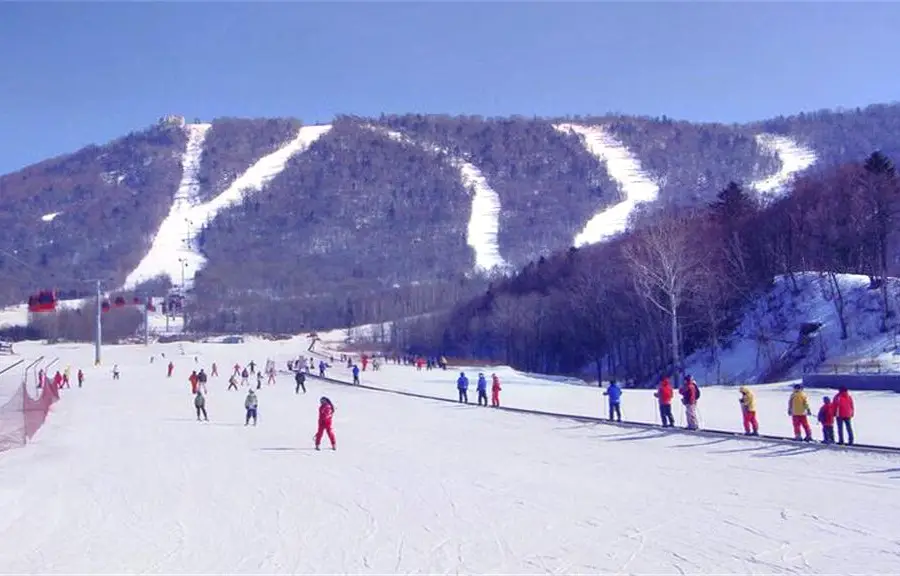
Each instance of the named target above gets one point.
<point>484,221</point>
<point>771,327</point>
<point>794,158</point>
<point>635,184</point>
<point>173,250</point>
<point>122,479</point>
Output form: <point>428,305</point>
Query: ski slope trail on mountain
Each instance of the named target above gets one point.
<point>173,250</point>
<point>484,221</point>
<point>123,479</point>
<point>635,184</point>
<point>794,160</point>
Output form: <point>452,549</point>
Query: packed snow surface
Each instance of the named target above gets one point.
<point>484,221</point>
<point>173,250</point>
<point>50,217</point>
<point>794,159</point>
<point>635,184</point>
<point>123,479</point>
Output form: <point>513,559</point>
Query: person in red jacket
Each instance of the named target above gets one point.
<point>844,413</point>
<point>495,391</point>
<point>664,394</point>
<point>170,370</point>
<point>326,415</point>
<point>826,419</point>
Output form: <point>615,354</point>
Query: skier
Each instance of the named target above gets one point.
<point>326,416</point>
<point>80,378</point>
<point>232,382</point>
<point>664,394</point>
<point>259,376</point>
<point>462,385</point>
<point>798,410</point>
<point>215,370</point>
<point>844,412</point>
<point>615,397</point>
<point>66,374</point>
<point>300,379</point>
<point>690,393</point>
<point>495,391</point>
<point>271,381</point>
<point>245,378</point>
<point>115,371</point>
<point>171,369</point>
<point>194,379</point>
<point>201,380</point>
<point>252,366</point>
<point>322,367</point>
<point>200,405</point>
<point>355,375</point>
<point>826,419</point>
<point>748,409</point>
<point>482,389</point>
<point>251,403</point>
<point>365,362</point>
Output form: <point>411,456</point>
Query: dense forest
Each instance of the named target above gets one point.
<point>634,307</point>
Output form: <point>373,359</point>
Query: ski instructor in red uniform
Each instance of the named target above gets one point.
<point>326,415</point>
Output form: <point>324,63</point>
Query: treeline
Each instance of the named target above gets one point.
<point>634,307</point>
<point>77,326</point>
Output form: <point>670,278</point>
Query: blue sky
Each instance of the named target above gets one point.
<point>80,73</point>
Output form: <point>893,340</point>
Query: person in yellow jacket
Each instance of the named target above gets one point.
<point>748,407</point>
<point>798,410</point>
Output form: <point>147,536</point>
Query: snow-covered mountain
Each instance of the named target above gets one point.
<point>264,207</point>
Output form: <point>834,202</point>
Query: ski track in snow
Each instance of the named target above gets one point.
<point>794,159</point>
<point>187,216</point>
<point>484,222</point>
<point>123,479</point>
<point>635,184</point>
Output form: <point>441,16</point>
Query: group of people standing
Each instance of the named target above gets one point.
<point>462,387</point>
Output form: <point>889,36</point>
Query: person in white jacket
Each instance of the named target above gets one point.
<point>251,403</point>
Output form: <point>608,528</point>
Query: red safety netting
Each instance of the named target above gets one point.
<point>21,416</point>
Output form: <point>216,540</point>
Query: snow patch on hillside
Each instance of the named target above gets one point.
<point>776,336</point>
<point>635,184</point>
<point>173,250</point>
<point>484,222</point>
<point>794,159</point>
<point>50,217</point>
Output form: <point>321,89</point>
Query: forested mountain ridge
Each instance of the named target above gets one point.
<point>371,218</point>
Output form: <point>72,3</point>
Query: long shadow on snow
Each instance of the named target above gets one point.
<point>799,450</point>
<point>881,471</point>
<point>633,437</point>
<point>229,424</point>
<point>707,443</point>
<point>737,450</point>
<point>287,449</point>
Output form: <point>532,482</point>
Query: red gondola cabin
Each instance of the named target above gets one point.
<point>43,301</point>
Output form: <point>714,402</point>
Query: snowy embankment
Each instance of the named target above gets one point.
<point>773,326</point>
<point>484,222</point>
<point>635,184</point>
<point>415,486</point>
<point>174,244</point>
<point>794,160</point>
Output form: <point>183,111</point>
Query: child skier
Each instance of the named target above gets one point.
<point>748,408</point>
<point>798,410</point>
<point>615,397</point>
<point>80,378</point>
<point>326,416</point>
<point>322,367</point>
<point>495,391</point>
<point>355,375</point>
<point>200,405</point>
<point>826,419</point>
<point>462,386</point>
<point>664,394</point>
<point>251,403</point>
<point>482,389</point>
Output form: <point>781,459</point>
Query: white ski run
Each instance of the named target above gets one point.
<point>173,252</point>
<point>794,158</point>
<point>484,221</point>
<point>635,184</point>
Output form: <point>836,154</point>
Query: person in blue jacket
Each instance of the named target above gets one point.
<point>615,398</point>
<point>462,385</point>
<point>482,390</point>
<point>356,374</point>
